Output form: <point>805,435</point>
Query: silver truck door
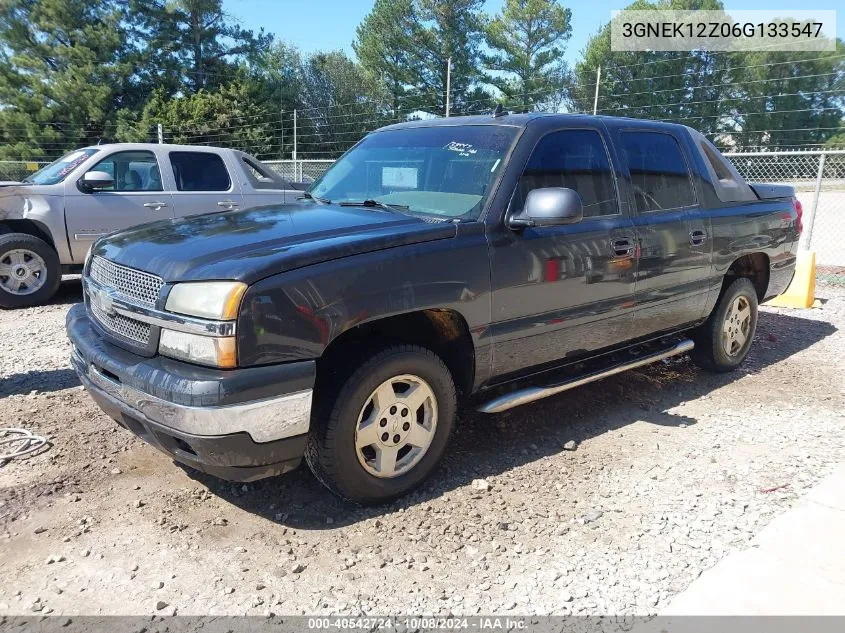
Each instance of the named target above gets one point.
<point>137,197</point>
<point>203,182</point>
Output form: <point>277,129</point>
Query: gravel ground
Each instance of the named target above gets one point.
<point>672,469</point>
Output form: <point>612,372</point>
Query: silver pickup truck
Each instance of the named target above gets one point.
<point>49,221</point>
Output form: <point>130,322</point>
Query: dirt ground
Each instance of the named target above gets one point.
<point>673,469</point>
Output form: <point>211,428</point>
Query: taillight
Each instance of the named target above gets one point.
<point>799,210</point>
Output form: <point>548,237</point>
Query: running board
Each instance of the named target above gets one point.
<point>530,394</point>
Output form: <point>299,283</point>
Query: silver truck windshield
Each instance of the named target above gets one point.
<point>434,171</point>
<point>57,171</point>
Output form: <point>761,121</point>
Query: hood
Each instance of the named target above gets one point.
<point>10,183</point>
<point>250,245</point>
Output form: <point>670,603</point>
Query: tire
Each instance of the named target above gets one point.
<point>37,265</point>
<point>727,327</point>
<point>338,452</point>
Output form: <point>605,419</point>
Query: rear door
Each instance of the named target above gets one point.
<point>137,196</point>
<point>674,261</point>
<point>203,183</point>
<point>560,292</point>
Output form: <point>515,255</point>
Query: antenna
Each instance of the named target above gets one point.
<point>498,111</point>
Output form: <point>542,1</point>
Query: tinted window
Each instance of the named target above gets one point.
<point>658,171</point>
<point>576,159</point>
<point>199,171</point>
<point>132,171</point>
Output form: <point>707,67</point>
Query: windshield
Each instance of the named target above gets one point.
<point>58,170</point>
<point>435,171</point>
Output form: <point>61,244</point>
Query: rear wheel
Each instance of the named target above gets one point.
<point>386,427</point>
<point>30,272</point>
<point>723,342</point>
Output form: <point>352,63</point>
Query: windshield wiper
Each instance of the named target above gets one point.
<point>375,203</point>
<point>310,196</point>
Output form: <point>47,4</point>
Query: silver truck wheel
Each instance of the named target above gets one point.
<point>379,431</point>
<point>723,341</point>
<point>736,326</point>
<point>30,272</point>
<point>396,426</point>
<point>22,271</point>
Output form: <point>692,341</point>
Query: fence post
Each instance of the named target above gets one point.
<point>811,216</point>
<point>294,147</point>
<point>596,98</point>
<point>160,134</point>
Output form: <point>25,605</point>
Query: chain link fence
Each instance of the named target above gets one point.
<point>301,170</point>
<point>16,170</point>
<point>819,180</point>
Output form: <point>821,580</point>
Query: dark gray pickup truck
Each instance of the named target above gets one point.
<point>482,261</point>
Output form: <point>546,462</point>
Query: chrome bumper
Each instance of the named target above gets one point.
<point>264,420</point>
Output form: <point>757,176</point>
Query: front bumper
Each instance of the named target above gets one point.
<point>240,425</point>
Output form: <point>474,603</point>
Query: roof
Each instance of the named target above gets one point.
<point>522,120</point>
<point>170,146</point>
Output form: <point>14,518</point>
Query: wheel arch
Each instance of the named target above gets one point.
<point>28,227</point>
<point>442,330</point>
<point>752,266</point>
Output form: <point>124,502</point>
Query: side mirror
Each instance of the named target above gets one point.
<point>549,206</point>
<point>93,180</point>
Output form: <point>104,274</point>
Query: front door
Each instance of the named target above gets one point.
<point>674,267</point>
<point>560,292</point>
<point>136,197</point>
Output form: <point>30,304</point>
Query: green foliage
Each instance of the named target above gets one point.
<point>786,99</point>
<point>340,104</point>
<point>679,86</point>
<point>76,72</point>
<point>384,45</point>
<point>230,116</point>
<point>190,44</point>
<point>63,74</point>
<point>448,29</point>
<point>528,40</point>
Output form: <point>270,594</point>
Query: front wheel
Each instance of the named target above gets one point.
<point>385,428</point>
<point>723,342</point>
<point>30,272</point>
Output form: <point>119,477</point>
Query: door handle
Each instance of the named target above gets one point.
<point>229,204</point>
<point>155,205</point>
<point>622,247</point>
<point>697,237</point>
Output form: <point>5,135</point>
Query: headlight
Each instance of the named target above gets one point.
<point>207,299</point>
<point>218,300</point>
<point>205,350</point>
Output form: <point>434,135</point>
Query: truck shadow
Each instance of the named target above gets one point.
<point>489,445</point>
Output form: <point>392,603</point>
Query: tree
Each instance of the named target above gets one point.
<point>688,87</point>
<point>230,116</point>
<point>448,29</point>
<point>340,104</point>
<point>787,99</point>
<point>191,43</point>
<point>64,73</point>
<point>527,40</point>
<point>384,44</point>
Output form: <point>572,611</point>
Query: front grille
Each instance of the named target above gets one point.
<point>122,325</point>
<point>134,285</point>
